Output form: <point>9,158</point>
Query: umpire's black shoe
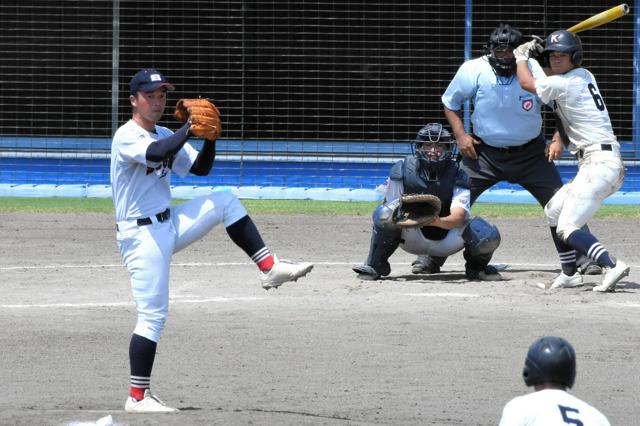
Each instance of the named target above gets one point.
<point>490,273</point>
<point>590,268</point>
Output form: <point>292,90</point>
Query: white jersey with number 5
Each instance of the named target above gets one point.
<point>550,407</point>
<point>580,105</point>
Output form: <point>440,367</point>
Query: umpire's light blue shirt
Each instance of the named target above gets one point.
<point>504,114</point>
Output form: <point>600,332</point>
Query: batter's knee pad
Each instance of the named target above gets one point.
<point>383,243</point>
<point>480,237</point>
<point>551,213</point>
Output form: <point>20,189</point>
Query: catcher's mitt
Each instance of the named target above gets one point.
<point>417,210</point>
<point>203,116</point>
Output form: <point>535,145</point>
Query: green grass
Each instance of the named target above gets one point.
<point>289,207</point>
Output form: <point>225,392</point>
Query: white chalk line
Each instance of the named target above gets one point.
<point>175,301</point>
<point>441,294</point>
<point>185,300</point>
<point>172,300</point>
<point>200,264</point>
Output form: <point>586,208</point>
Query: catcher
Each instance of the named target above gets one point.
<point>425,211</point>
<point>150,230</point>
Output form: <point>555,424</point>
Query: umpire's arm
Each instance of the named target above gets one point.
<point>466,143</point>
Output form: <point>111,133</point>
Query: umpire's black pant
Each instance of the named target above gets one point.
<point>526,165</point>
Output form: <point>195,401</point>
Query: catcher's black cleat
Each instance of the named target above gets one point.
<point>490,273</point>
<point>424,265</point>
<point>366,272</point>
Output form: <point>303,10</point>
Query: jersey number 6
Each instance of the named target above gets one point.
<point>596,97</point>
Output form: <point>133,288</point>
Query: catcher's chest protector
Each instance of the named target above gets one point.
<point>414,183</point>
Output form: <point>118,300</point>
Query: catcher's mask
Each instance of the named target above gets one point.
<point>550,360</point>
<point>564,41</point>
<point>433,148</point>
<point>500,47</point>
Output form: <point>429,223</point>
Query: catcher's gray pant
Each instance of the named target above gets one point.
<point>414,242</point>
<point>600,174</point>
<point>147,251</point>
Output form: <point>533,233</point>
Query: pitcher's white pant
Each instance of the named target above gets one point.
<point>416,243</point>
<point>147,251</point>
<point>600,174</point>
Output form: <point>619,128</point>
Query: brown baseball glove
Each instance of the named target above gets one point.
<point>203,116</point>
<point>417,210</point>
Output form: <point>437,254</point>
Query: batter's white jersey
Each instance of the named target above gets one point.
<point>141,188</point>
<point>550,407</point>
<point>581,108</point>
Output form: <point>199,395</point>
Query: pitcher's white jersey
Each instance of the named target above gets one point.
<point>581,108</point>
<point>141,188</point>
<point>550,407</point>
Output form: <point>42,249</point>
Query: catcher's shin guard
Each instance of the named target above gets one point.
<point>481,239</point>
<point>383,243</point>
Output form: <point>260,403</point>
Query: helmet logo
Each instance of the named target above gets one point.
<point>527,104</point>
<point>555,38</point>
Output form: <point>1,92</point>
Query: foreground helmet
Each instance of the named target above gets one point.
<point>564,41</point>
<point>505,37</point>
<point>550,360</point>
<point>432,161</point>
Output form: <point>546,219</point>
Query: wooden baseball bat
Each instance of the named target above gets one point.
<point>601,18</point>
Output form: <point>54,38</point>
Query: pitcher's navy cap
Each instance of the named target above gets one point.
<point>148,80</point>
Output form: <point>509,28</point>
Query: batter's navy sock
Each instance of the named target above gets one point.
<point>568,262</point>
<point>246,236</point>
<point>566,253</point>
<point>589,244</point>
<point>142,353</point>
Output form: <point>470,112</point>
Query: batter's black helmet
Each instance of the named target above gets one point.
<point>550,360</point>
<point>430,134</point>
<point>503,37</point>
<point>564,41</point>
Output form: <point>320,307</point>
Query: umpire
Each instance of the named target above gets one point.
<point>507,143</point>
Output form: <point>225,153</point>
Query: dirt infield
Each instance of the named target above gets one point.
<point>327,350</point>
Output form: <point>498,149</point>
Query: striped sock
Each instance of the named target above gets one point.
<point>568,262</point>
<point>600,254</point>
<point>142,353</point>
<point>138,386</point>
<point>264,259</point>
<point>590,245</point>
